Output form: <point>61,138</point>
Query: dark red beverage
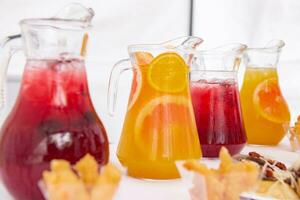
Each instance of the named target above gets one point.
<point>218,116</point>
<point>53,118</point>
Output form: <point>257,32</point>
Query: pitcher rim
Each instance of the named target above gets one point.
<point>136,47</point>
<point>57,23</point>
<point>163,45</point>
<point>233,71</point>
<point>217,51</point>
<point>269,49</point>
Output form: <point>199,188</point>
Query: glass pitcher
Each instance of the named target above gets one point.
<point>265,111</point>
<point>53,116</point>
<point>216,100</point>
<point>159,126</point>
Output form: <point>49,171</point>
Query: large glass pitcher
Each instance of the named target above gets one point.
<point>265,110</point>
<point>159,126</point>
<point>216,100</point>
<point>53,116</point>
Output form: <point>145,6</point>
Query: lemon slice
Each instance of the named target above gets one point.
<point>269,102</point>
<point>168,73</point>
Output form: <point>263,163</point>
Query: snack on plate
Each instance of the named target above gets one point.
<point>294,135</point>
<point>83,183</point>
<point>225,183</point>
<point>276,190</point>
<point>277,181</point>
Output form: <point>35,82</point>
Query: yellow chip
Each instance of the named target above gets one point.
<point>226,160</point>
<point>87,169</point>
<point>58,165</point>
<point>62,183</point>
<point>109,175</point>
<point>65,191</point>
<point>61,172</point>
<point>107,183</point>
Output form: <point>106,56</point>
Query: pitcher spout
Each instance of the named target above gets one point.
<point>75,11</point>
<point>266,56</point>
<point>223,58</point>
<point>185,42</point>
<point>275,45</point>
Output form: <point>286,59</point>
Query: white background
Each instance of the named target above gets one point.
<point>121,22</point>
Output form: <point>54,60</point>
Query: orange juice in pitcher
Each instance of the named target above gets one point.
<point>265,111</point>
<point>159,126</point>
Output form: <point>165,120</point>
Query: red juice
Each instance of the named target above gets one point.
<point>53,118</point>
<point>218,116</point>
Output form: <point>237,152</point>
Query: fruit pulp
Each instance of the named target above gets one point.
<point>159,126</point>
<point>53,118</point>
<point>218,116</point>
<point>266,113</point>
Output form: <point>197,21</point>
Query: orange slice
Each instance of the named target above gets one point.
<point>135,88</point>
<point>168,73</point>
<point>162,125</point>
<point>270,103</point>
<point>141,59</point>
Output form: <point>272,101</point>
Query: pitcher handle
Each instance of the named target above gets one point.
<point>120,67</point>
<point>8,47</point>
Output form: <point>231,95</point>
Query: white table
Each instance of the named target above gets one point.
<point>135,189</point>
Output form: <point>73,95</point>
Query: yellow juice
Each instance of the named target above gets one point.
<point>159,126</point>
<point>265,111</point>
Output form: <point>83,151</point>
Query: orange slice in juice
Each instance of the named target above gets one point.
<point>135,88</point>
<point>269,102</point>
<point>168,73</point>
<point>142,59</point>
<point>161,126</point>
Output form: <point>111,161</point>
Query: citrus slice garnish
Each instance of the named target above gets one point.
<point>168,73</point>
<point>269,102</point>
<point>163,124</point>
<point>141,59</point>
<point>135,88</point>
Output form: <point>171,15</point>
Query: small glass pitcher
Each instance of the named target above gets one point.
<point>159,126</point>
<point>216,100</point>
<point>266,113</point>
<point>53,116</point>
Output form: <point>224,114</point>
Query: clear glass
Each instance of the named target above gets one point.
<point>53,116</point>
<point>216,100</point>
<point>159,126</point>
<point>266,113</point>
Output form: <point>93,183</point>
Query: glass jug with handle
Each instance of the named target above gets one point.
<point>266,113</point>
<point>159,126</point>
<point>216,100</point>
<point>53,116</point>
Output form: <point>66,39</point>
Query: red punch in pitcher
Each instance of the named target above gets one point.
<point>53,116</point>
<point>216,100</point>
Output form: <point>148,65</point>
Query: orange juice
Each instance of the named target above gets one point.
<point>265,112</point>
<point>159,126</point>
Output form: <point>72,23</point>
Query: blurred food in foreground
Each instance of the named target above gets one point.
<point>84,182</point>
<point>294,135</point>
<point>277,180</point>
<point>227,182</point>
